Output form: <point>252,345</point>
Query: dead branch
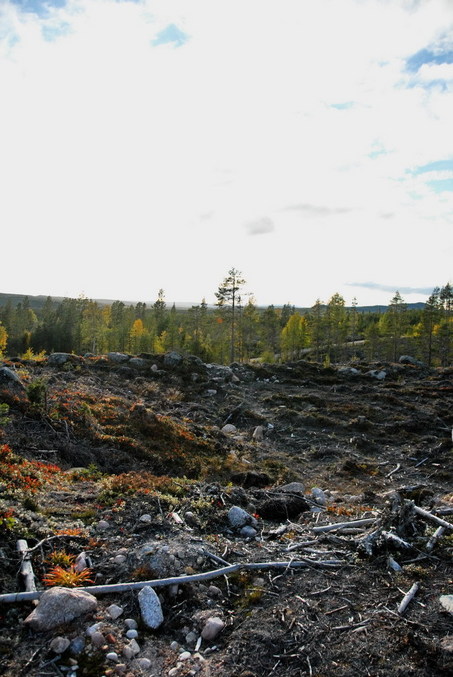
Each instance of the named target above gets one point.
<point>408,597</point>
<point>343,525</point>
<point>434,538</point>
<point>178,580</point>
<point>433,518</point>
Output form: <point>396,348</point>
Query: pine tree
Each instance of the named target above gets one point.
<point>227,301</point>
<point>430,319</point>
<point>394,324</point>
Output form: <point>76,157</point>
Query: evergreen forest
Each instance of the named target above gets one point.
<point>233,329</point>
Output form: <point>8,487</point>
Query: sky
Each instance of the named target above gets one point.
<point>156,144</point>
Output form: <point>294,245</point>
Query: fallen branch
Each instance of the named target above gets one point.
<point>408,598</point>
<point>344,525</point>
<point>434,538</point>
<point>178,580</point>
<point>433,518</point>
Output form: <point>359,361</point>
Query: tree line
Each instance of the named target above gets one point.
<point>235,329</point>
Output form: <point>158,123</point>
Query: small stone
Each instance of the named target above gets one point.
<point>119,559</point>
<point>77,646</point>
<point>248,532</point>
<point>128,653</point>
<point>229,429</point>
<point>191,519</point>
<point>110,638</point>
<point>145,519</point>
<point>121,668</point>
<point>191,638</point>
<point>447,602</point>
<point>112,656</point>
<point>59,644</point>
<point>144,663</point>
<point>212,628</point>
<point>319,496</point>
<point>173,672</point>
<point>150,607</point>
<point>114,611</point>
<point>132,634</point>
<point>184,656</point>
<point>93,628</point>
<point>131,623</point>
<point>102,525</point>
<point>133,645</point>
<point>98,639</point>
<point>214,591</point>
<point>174,646</point>
<point>238,517</point>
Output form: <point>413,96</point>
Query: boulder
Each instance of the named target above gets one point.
<point>172,360</point>
<point>251,478</point>
<point>57,359</point>
<point>9,380</point>
<point>118,358</point>
<point>408,359</point>
<point>138,363</point>
<point>291,488</point>
<point>60,605</point>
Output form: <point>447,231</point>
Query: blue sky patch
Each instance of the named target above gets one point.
<point>171,34</point>
<point>344,105</point>
<point>436,166</point>
<point>441,185</point>
<point>426,56</point>
<point>52,33</point>
<point>39,7</point>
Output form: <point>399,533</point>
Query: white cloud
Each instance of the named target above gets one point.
<point>137,158</point>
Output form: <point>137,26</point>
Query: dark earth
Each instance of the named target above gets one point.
<point>145,437</point>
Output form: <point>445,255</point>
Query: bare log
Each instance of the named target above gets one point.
<point>178,580</point>
<point>26,567</point>
<point>433,518</point>
<point>408,597</point>
<point>345,525</point>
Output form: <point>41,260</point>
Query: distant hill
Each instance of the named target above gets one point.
<point>37,302</point>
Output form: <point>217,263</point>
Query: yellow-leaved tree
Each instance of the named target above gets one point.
<point>3,339</point>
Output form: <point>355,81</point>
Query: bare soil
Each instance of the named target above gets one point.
<point>133,442</point>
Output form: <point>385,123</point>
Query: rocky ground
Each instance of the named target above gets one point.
<point>156,467</point>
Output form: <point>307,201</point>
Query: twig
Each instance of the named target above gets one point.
<point>217,559</point>
<point>178,580</point>
<point>342,525</point>
<point>421,462</point>
<point>408,597</point>
<point>51,538</point>
<point>394,470</point>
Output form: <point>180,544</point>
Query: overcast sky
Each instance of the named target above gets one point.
<point>158,143</point>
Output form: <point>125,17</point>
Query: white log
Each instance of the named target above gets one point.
<point>408,597</point>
